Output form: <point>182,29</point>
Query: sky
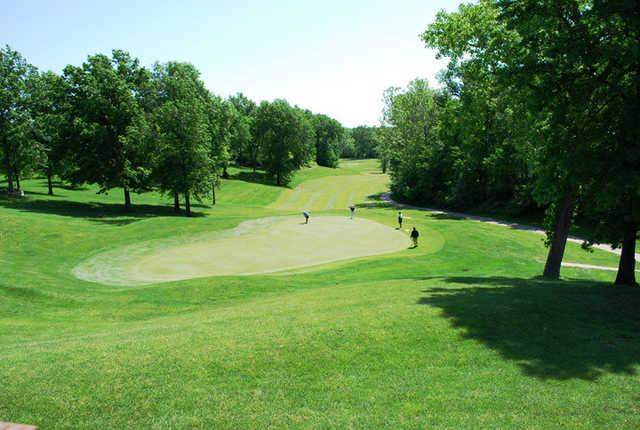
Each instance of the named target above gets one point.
<point>333,57</point>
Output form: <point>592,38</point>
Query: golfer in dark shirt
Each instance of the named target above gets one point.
<point>414,237</point>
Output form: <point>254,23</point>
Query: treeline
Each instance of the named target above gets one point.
<point>539,108</point>
<point>359,142</point>
<point>115,123</point>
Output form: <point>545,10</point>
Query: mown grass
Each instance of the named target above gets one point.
<point>458,333</point>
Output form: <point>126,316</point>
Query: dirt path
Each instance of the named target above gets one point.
<point>517,226</point>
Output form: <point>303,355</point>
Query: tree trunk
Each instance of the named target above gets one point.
<point>176,201</point>
<point>17,181</point>
<point>187,204</point>
<point>225,173</point>
<point>49,182</point>
<point>627,266</point>
<point>559,239</point>
<point>127,199</point>
<point>7,165</point>
<point>213,195</point>
<point>278,178</point>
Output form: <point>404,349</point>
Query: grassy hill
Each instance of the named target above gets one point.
<point>458,333</point>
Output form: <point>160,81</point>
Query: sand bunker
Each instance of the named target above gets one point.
<point>257,246</point>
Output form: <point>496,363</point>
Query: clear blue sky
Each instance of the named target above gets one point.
<point>334,57</point>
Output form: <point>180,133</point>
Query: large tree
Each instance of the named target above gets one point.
<point>365,141</point>
<point>328,133</point>
<point>184,164</point>
<point>16,148</point>
<point>286,139</point>
<point>610,200</point>
<point>243,146</point>
<point>112,146</point>
<point>51,122</point>
<point>221,115</point>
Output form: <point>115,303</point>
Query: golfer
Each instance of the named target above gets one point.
<point>353,210</point>
<point>306,216</point>
<point>414,237</point>
<point>399,220</point>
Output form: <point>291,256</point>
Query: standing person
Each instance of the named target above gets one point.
<point>414,237</point>
<point>306,216</point>
<point>353,210</point>
<point>399,220</point>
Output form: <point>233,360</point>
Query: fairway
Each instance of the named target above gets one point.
<point>258,246</point>
<point>333,192</point>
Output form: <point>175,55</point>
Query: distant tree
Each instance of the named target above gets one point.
<point>384,148</point>
<point>112,148</point>
<point>412,114</point>
<point>365,141</point>
<point>16,148</point>
<point>221,115</point>
<point>184,164</point>
<point>286,139</point>
<point>328,133</point>
<point>347,145</point>
<point>243,146</point>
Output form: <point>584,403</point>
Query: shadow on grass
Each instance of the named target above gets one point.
<point>375,201</point>
<point>65,186</point>
<point>257,177</point>
<point>552,329</point>
<point>105,213</point>
<point>445,216</point>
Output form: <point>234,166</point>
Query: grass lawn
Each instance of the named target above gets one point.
<point>458,333</point>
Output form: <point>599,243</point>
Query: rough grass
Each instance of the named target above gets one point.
<point>458,333</point>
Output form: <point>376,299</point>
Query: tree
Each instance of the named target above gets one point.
<point>243,146</point>
<point>365,141</point>
<point>15,146</point>
<point>181,119</point>
<point>286,139</point>
<point>51,122</point>
<point>328,133</point>
<point>346,145</point>
<point>221,116</point>
<point>610,200</point>
<point>112,146</point>
<point>410,115</point>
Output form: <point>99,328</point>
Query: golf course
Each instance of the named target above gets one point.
<point>243,316</point>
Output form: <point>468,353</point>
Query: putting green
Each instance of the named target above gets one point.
<point>257,246</point>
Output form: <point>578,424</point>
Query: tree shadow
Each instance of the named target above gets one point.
<point>445,216</point>
<point>256,177</point>
<point>375,201</point>
<point>551,329</point>
<point>66,186</point>
<point>38,193</point>
<point>106,213</point>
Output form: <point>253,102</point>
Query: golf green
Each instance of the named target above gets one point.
<point>256,246</point>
